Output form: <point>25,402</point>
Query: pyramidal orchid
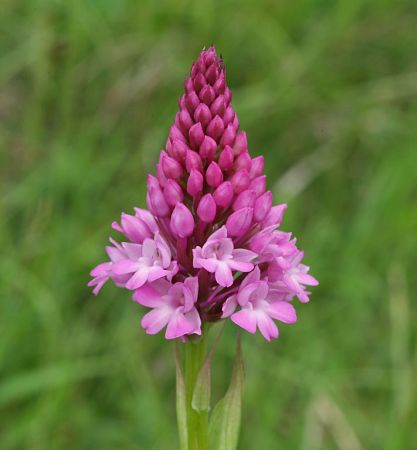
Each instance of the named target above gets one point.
<point>208,248</point>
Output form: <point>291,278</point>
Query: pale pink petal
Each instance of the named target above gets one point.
<point>246,319</point>
<point>156,272</point>
<point>305,278</point>
<point>194,318</point>
<point>148,295</point>
<point>210,264</point>
<point>178,326</point>
<point>240,266</point>
<point>125,266</point>
<point>101,270</point>
<point>155,320</point>
<point>267,326</point>
<point>133,251</point>
<point>241,254</point>
<point>219,234</point>
<point>138,279</point>
<point>282,311</point>
<point>229,306</point>
<point>223,274</point>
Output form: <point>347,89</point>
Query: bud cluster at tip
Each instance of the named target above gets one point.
<point>212,221</point>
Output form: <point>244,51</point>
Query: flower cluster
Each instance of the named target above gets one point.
<point>209,246</point>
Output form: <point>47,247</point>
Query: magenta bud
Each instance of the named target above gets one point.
<point>134,228</point>
<point>199,82</point>
<point>172,168</point>
<point>211,73</point>
<point>227,95</point>
<point>202,114</point>
<point>220,84</point>
<point>275,216</point>
<point>226,158</point>
<point>210,57</point>
<point>215,128</point>
<point>228,116</point>
<point>257,167</point>
<point>258,184</point>
<point>160,173</point>
<point>243,161</point>
<point>181,102</point>
<point>195,182</point>
<point>218,107</point>
<point>191,101</point>
<point>262,207</point>
<point>188,85</point>
<point>235,122</point>
<point>223,195</point>
<point>179,150</point>
<point>245,199</point>
<point>239,222</point>
<point>155,198</point>
<point>207,94</point>
<point>185,120</point>
<point>206,210</point>
<point>208,148</point>
<point>193,161</point>
<point>241,143</point>
<point>194,70</point>
<point>173,193</point>
<point>229,136</point>
<point>240,181</point>
<point>214,175</point>
<point>175,133</point>
<point>182,221</point>
<point>196,135</point>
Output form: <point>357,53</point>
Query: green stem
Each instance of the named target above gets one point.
<point>195,355</point>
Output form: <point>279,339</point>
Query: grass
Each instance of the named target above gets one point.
<point>327,92</point>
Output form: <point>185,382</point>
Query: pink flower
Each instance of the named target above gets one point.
<point>258,307</point>
<point>145,262</point>
<point>219,256</point>
<point>173,306</point>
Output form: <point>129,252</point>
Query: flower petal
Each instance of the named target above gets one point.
<point>282,311</point>
<point>223,274</point>
<point>246,319</point>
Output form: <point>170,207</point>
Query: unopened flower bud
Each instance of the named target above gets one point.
<point>245,199</point>
<point>155,198</point>
<point>208,148</point>
<point>211,73</point>
<point>173,193</point>
<point>193,161</point>
<point>263,205</point>
<point>182,221</point>
<point>188,85</point>
<point>243,161</point>
<point>175,133</point>
<point>228,136</point>
<point>202,114</point>
<point>199,82</point>
<point>214,175</point>
<point>160,173</point>
<point>258,184</point>
<point>257,166</point>
<point>195,182</point>
<point>172,168</point>
<point>220,84</point>
<point>240,181</point>
<point>185,120</point>
<point>223,195</point>
<point>196,135</point>
<point>241,143</point>
<point>215,128</point>
<point>179,150</point>
<point>275,216</point>
<point>191,101</point>
<point>207,94</point>
<point>218,107</point>
<point>226,158</point>
<point>239,222</point>
<point>228,115</point>
<point>206,210</point>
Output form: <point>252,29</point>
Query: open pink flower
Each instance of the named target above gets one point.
<point>145,262</point>
<point>173,306</point>
<point>259,307</point>
<point>219,256</point>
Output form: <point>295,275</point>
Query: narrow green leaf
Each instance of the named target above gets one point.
<point>225,419</point>
<point>181,402</point>
<point>201,395</point>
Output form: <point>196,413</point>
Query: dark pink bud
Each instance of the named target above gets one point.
<point>207,94</point>
<point>194,70</point>
<point>218,107</point>
<point>229,136</point>
<point>210,57</point>
<point>275,216</point>
<point>173,193</point>
<point>240,181</point>
<point>208,148</point>
<point>241,143</point>
<point>244,199</point>
<point>257,166</point>
<point>155,198</point>
<point>202,114</point>
<point>235,122</point>
<point>160,173</point>
<point>211,73</point>
<point>263,205</point>
<point>188,85</point>
<point>227,95</point>
<point>195,183</point>
<point>193,161</point>
<point>239,222</point>
<point>182,221</point>
<point>206,210</point>
<point>228,116</point>
<point>215,128</point>
<point>243,161</point>
<point>181,102</point>
<point>175,133</point>
<point>185,120</point>
<point>199,82</point>
<point>258,184</point>
<point>191,101</point>
<point>220,84</point>
<point>172,168</point>
<point>214,175</point>
<point>179,150</point>
<point>223,195</point>
<point>226,158</point>
<point>196,135</point>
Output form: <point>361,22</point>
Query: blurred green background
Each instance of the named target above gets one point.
<point>327,92</point>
